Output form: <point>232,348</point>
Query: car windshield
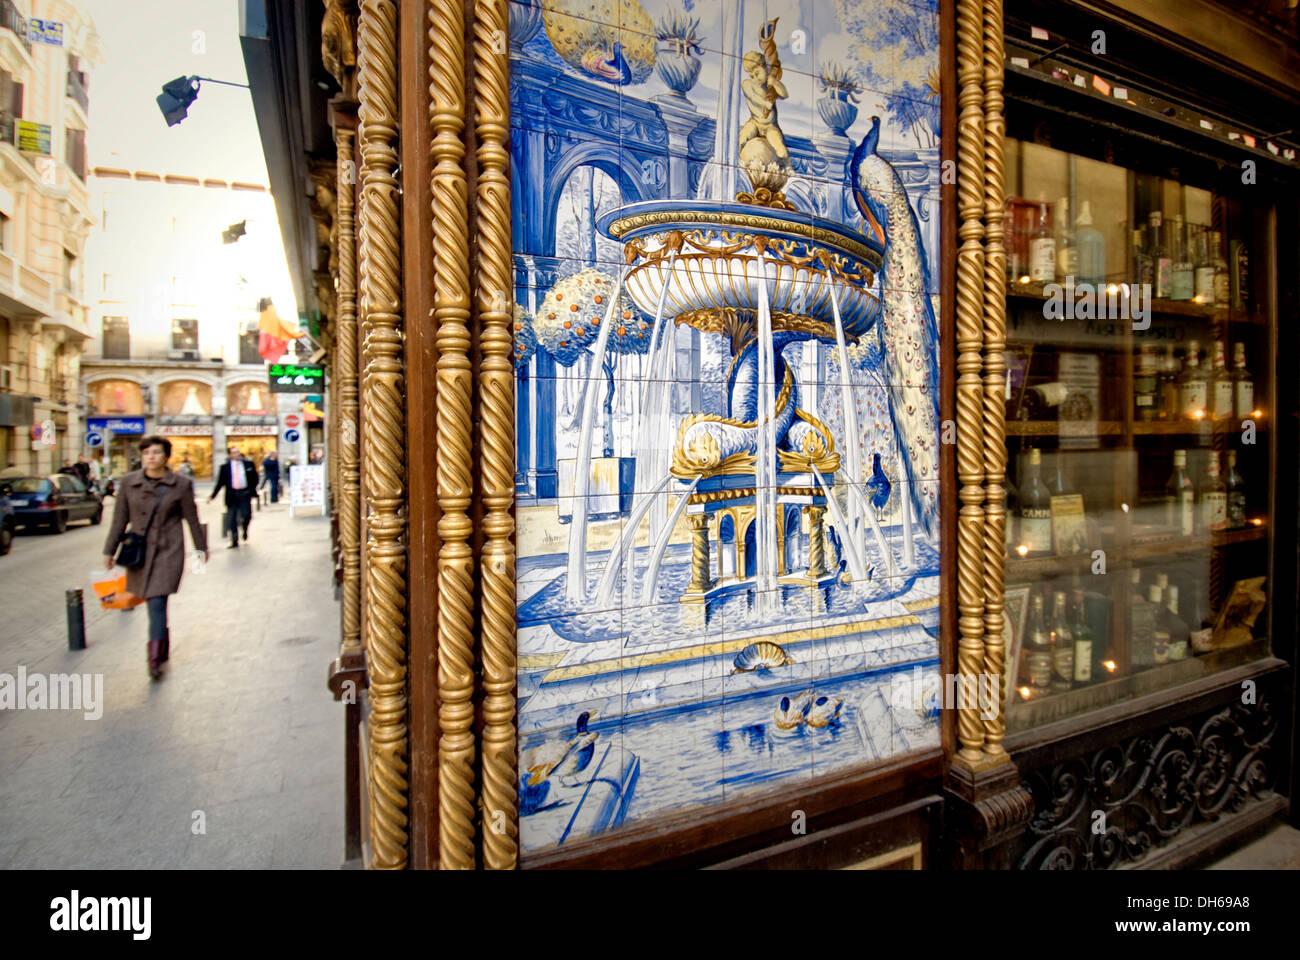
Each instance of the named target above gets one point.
<point>31,485</point>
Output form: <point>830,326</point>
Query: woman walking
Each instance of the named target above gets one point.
<point>153,500</point>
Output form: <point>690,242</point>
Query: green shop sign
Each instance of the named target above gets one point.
<point>296,378</point>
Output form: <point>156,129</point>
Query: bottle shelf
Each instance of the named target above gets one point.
<point>1141,547</point>
<point>1210,312</point>
<point>1052,428</point>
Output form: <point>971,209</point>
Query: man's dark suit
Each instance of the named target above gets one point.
<point>271,469</point>
<point>239,503</point>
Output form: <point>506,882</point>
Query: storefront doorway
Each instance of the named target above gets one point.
<point>198,449</point>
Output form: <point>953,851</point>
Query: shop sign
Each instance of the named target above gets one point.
<point>134,425</point>
<point>249,430</point>
<point>32,137</point>
<point>295,378</point>
<point>186,430</point>
<point>45,31</point>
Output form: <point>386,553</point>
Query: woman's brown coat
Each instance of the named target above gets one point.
<point>164,560</point>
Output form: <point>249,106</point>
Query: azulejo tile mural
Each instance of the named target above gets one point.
<point>726,239</point>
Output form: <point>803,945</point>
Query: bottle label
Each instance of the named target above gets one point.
<point>1063,661</point>
<point>1178,650</point>
<point>1202,640</point>
<point>1237,509</point>
<point>1042,260</point>
<point>1183,285</point>
<point>1186,513</point>
<point>1223,398</point>
<point>1214,510</point>
<point>1205,284</point>
<point>1191,395</point>
<point>1164,277</point>
<point>1082,661</point>
<point>1036,529</point>
<point>1221,287</point>
<point>1068,258</point>
<point>1245,398</point>
<point>1160,647</point>
<point>1039,665</point>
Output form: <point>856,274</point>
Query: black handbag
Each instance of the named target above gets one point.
<point>131,552</point>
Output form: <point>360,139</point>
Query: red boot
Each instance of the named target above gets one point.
<point>166,647</point>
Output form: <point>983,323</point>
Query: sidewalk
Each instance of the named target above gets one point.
<point>233,760</point>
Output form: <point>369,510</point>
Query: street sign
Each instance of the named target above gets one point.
<point>292,436</point>
<point>291,420</point>
<point>295,378</point>
<point>94,439</point>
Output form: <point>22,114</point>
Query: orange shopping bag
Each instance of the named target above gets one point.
<point>110,587</point>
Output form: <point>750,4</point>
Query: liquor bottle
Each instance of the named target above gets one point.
<point>1141,625</point>
<point>1168,385</point>
<point>1042,250</point>
<point>1143,268</point>
<point>1035,509</point>
<point>1160,257</point>
<point>1057,485</point>
<point>1204,270</point>
<point>1244,392</point>
<point>1213,498</point>
<point>1236,485</point>
<point>1067,249</point>
<point>1160,635</point>
<point>1222,291</point>
<point>1183,284</point>
<point>1146,404</point>
<point>1091,246</point>
<point>1038,650</point>
<point>1200,637</point>
<point>1043,402</point>
<point>1191,384</point>
<point>1178,632</point>
<point>1239,280</point>
<point>1062,645</point>
<point>1082,642</point>
<point>1220,387</point>
<point>1180,498</point>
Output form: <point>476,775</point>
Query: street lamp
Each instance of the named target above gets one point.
<point>178,95</point>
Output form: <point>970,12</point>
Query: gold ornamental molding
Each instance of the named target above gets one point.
<point>455,370</point>
<point>345,365</point>
<point>383,421</point>
<point>995,335</point>
<point>969,342</point>
<point>496,378</point>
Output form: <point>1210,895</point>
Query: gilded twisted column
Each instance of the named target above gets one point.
<point>970,335</point>
<point>384,472</point>
<point>345,363</point>
<point>816,543</point>
<point>995,335</point>
<point>497,434</point>
<point>455,442</point>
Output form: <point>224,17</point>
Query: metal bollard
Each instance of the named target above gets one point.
<point>76,621</point>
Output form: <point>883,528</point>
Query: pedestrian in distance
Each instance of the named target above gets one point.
<point>186,468</point>
<point>239,479</point>
<point>68,468</point>
<point>271,470</point>
<point>83,469</point>
<point>152,502</point>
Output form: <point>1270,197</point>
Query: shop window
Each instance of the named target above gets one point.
<point>248,348</point>
<point>116,338</point>
<point>185,335</point>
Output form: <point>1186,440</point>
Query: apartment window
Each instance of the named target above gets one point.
<point>248,348</point>
<point>74,151</point>
<point>185,335</point>
<point>69,272</point>
<point>4,231</point>
<point>117,338</point>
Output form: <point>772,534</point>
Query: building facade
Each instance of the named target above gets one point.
<point>173,312</point>
<point>750,448</point>
<point>46,214</point>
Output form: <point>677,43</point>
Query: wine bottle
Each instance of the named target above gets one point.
<point>1067,250</point>
<point>1239,265</point>
<point>1035,509</point>
<point>1222,285</point>
<point>1178,632</point>
<point>1204,270</point>
<point>1091,247</point>
<point>1143,269</point>
<point>1062,645</point>
<point>1038,650</point>
<point>1183,284</point>
<point>1244,392</point>
<point>1082,642</point>
<point>1236,485</point>
<point>1220,388</point>
<point>1042,250</point>
<point>1180,498</point>
<point>1145,384</point>
<point>1214,498</point>
<point>1168,385</point>
<point>1191,384</point>
<point>1160,635</point>
<point>1160,257</point>
<point>1141,625</point>
<point>1043,401</point>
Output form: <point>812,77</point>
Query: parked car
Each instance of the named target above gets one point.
<point>8,522</point>
<point>54,501</point>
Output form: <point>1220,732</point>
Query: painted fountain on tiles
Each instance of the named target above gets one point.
<point>774,643</point>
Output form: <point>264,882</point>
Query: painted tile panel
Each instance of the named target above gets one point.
<point>726,238</point>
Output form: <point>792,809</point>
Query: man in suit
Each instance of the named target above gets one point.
<point>271,470</point>
<point>239,477</point>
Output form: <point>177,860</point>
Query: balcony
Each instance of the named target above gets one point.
<point>15,48</point>
<point>23,291</point>
<point>77,91</point>
<point>154,355</point>
<point>69,315</point>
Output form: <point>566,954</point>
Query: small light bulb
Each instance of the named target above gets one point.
<point>1257,521</point>
<point>1109,665</point>
<point>1025,278</point>
<point>1022,550</point>
<point>1025,693</point>
<point>1112,288</point>
<point>1257,413</point>
<point>1124,507</point>
<point>1198,414</point>
<point>1199,298</point>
